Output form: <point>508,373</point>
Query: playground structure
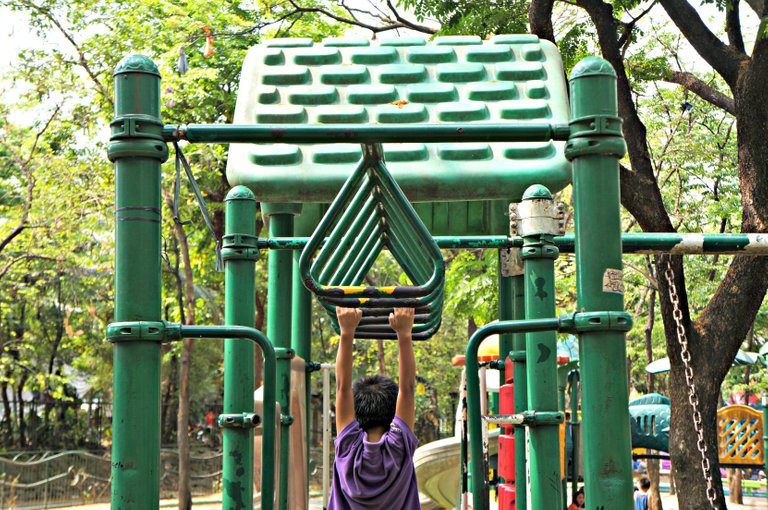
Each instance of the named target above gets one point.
<point>468,126</point>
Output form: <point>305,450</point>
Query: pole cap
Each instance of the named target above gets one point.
<point>592,66</point>
<point>537,192</point>
<point>136,64</point>
<point>240,193</point>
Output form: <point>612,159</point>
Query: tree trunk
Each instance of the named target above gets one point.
<point>166,424</point>
<point>182,422</point>
<point>654,496</point>
<point>380,357</point>
<point>735,494</point>
<point>182,427</point>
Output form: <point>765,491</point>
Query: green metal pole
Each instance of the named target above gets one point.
<point>137,149</point>
<point>561,384</point>
<point>301,341</point>
<point>521,392</point>
<point>649,243</point>
<point>239,255</point>
<point>595,148</point>
<point>477,466</point>
<point>175,332</point>
<point>369,133</point>
<point>280,266</point>
<point>573,378</point>
<point>765,438</point>
<point>539,253</point>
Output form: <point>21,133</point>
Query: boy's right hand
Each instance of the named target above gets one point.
<point>401,320</point>
<point>349,318</point>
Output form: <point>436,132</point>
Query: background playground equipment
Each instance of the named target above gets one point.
<point>468,125</point>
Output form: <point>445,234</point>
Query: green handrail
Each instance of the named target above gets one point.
<point>478,470</point>
<point>357,133</point>
<point>268,421</point>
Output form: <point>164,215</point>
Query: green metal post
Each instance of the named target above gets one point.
<point>477,466</point>
<point>595,148</point>
<point>239,255</point>
<point>301,341</point>
<point>561,383</point>
<point>521,393</point>
<point>279,330</point>
<point>765,437</point>
<point>539,253</point>
<point>137,149</point>
<point>573,378</point>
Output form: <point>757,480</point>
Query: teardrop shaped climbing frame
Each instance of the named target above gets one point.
<point>371,214</point>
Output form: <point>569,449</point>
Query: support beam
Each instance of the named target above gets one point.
<point>137,149</point>
<point>595,148</point>
<point>239,254</point>
<point>539,254</point>
<point>280,270</point>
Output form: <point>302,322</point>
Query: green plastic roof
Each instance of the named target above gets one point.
<point>453,79</point>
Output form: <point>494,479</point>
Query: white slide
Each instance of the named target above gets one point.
<point>438,470</point>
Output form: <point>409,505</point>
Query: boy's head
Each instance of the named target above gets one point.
<point>645,484</point>
<point>375,401</point>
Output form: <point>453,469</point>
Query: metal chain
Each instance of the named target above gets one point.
<point>693,399</point>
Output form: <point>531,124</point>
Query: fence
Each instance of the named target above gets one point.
<point>38,480</point>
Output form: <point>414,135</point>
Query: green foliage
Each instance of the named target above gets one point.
<point>464,17</point>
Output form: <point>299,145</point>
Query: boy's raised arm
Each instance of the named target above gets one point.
<point>401,321</point>
<point>349,318</point>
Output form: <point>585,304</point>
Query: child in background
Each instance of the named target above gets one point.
<point>578,500</point>
<point>374,449</point>
<point>641,496</point>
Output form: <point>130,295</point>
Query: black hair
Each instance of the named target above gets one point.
<point>576,495</point>
<point>375,401</point>
<point>645,483</point>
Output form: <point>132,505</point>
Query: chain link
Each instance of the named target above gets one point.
<point>693,399</point>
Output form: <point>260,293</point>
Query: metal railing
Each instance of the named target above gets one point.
<point>47,479</point>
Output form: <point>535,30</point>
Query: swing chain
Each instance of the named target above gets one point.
<point>693,399</point>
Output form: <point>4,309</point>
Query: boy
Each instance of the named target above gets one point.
<point>641,496</point>
<point>375,443</point>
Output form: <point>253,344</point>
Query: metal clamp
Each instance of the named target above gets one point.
<point>313,366</point>
<point>581,322</point>
<point>527,418</point>
<point>607,125</point>
<point>284,353</point>
<point>239,420</point>
<point>240,247</point>
<point>136,125</point>
<point>517,356</point>
<point>602,146</point>
<point>286,419</point>
<point>152,331</point>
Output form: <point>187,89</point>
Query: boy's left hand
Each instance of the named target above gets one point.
<point>349,318</point>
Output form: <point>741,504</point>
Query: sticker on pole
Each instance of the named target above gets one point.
<point>613,281</point>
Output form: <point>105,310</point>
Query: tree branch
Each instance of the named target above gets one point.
<point>724,59</point>
<point>297,9</point>
<point>639,189</point>
<point>407,23</point>
<point>708,93</point>
<point>83,62</point>
<point>7,267</point>
<point>733,26</point>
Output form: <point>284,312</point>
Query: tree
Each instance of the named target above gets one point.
<point>722,323</point>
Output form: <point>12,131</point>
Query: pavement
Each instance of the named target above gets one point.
<point>214,503</point>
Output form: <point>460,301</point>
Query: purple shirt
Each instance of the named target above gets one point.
<point>373,476</point>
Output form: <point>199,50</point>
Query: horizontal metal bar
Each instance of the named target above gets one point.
<point>528,418</point>
<point>634,242</point>
<point>356,133</point>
